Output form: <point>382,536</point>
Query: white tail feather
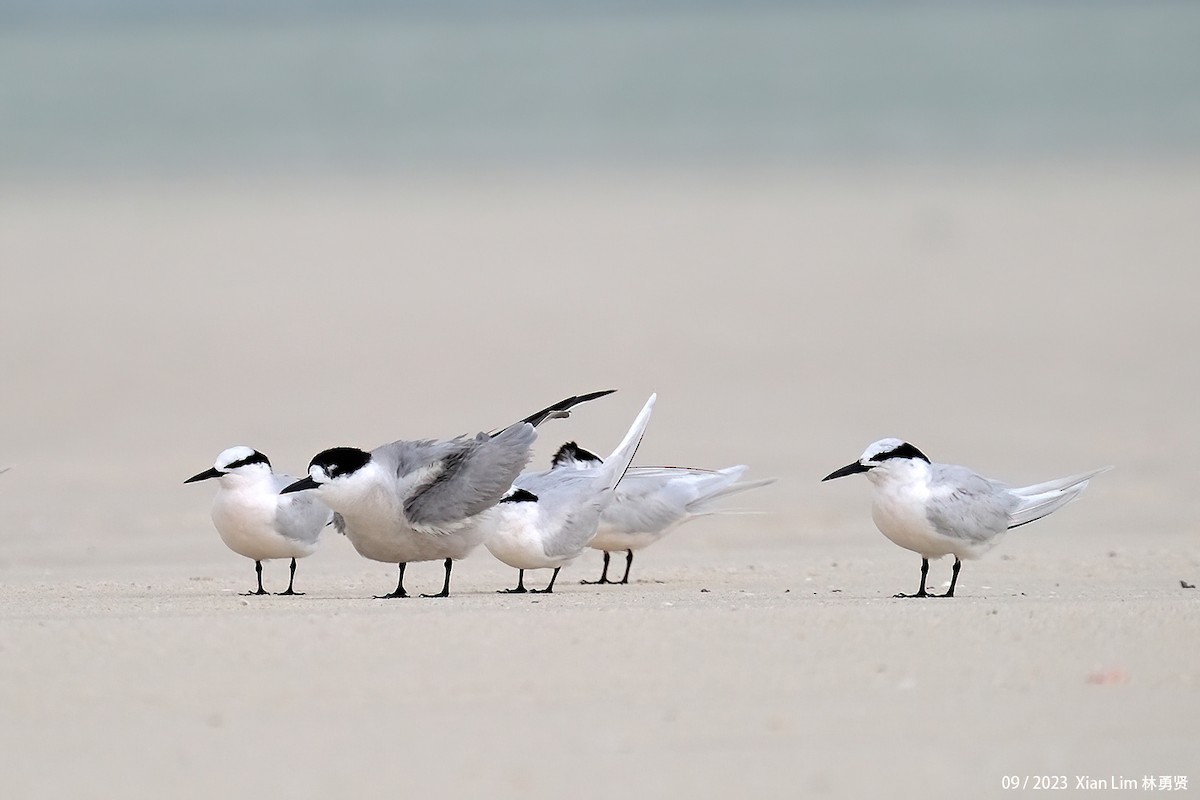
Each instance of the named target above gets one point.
<point>619,460</point>
<point>1059,484</point>
<point>703,503</point>
<point>1042,499</point>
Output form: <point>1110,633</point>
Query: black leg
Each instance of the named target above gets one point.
<point>399,587</point>
<point>953,579</point>
<point>603,575</point>
<point>628,564</point>
<point>291,579</point>
<point>924,572</point>
<point>549,589</point>
<point>520,585</point>
<point>257,569</point>
<point>445,592</point>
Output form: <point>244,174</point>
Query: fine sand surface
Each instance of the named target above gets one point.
<point>1029,320</point>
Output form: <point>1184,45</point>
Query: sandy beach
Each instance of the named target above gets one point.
<point>1029,320</point>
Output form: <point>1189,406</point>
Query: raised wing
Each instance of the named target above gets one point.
<point>560,410</point>
<point>468,478</point>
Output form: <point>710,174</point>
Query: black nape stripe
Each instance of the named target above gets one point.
<point>519,496</point>
<point>254,458</point>
<point>573,452</point>
<point>338,461</point>
<point>905,450</point>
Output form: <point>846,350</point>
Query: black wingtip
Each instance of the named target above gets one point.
<point>583,398</point>
<point>519,496</point>
<point>562,407</point>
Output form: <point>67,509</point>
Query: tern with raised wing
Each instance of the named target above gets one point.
<point>550,517</point>
<point>422,500</point>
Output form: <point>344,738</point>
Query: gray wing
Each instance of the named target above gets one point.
<point>469,477</point>
<point>966,505</point>
<point>644,504</point>
<point>405,459</point>
<point>300,515</point>
<point>577,529</point>
<point>555,481</point>
<point>666,473</point>
<point>569,504</point>
<point>656,499</point>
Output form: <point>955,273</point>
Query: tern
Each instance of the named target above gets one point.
<point>254,520</point>
<point>422,500</point>
<point>651,502</point>
<point>550,517</point>
<point>938,510</point>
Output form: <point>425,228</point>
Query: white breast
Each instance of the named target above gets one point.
<point>513,537</point>
<point>611,539</point>
<point>375,526</point>
<point>898,509</point>
<point>245,519</point>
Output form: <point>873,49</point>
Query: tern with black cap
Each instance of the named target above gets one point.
<point>422,500</point>
<point>254,520</point>
<point>650,502</point>
<point>938,510</point>
<point>550,517</point>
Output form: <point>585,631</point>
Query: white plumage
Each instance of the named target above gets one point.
<point>650,502</point>
<point>550,517</point>
<point>254,520</point>
<point>944,509</point>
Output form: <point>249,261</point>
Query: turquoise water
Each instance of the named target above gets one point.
<point>137,90</point>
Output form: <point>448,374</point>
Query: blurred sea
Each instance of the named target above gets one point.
<point>95,88</point>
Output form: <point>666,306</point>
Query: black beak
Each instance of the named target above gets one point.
<point>299,486</point>
<point>211,472</point>
<point>849,469</point>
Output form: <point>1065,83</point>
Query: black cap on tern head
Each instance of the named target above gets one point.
<point>876,454</point>
<point>571,453</point>
<point>339,461</point>
<point>336,462</point>
<point>229,460</point>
